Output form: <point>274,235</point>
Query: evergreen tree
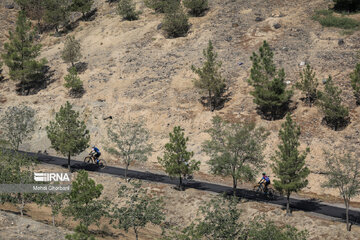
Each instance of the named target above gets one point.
<point>235,150</point>
<point>84,204</point>
<point>197,7</point>
<point>126,9</point>
<point>73,82</point>
<point>53,200</point>
<point>355,83</point>
<point>56,13</point>
<point>269,92</point>
<point>210,79</point>
<point>67,134</point>
<point>83,6</point>
<point>132,142</point>
<point>175,22</point>
<point>81,233</point>
<point>140,209</point>
<point>17,125</point>
<point>308,84</point>
<point>289,165</point>
<point>177,160</point>
<point>34,9</point>
<point>20,56</point>
<point>72,50</point>
<point>336,115</point>
<point>343,173</point>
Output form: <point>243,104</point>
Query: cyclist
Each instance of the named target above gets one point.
<point>96,153</point>
<point>266,180</point>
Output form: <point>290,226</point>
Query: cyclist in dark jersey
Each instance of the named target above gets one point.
<point>266,180</point>
<point>96,153</point>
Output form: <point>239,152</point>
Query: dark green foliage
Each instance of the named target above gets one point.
<point>177,160</point>
<point>210,80</point>
<point>131,141</point>
<point>72,50</point>
<point>335,114</point>
<point>20,56</point>
<point>56,13</point>
<point>34,9</point>
<point>73,82</point>
<point>162,6</point>
<point>84,204</point>
<point>355,83</point>
<point>348,5</point>
<point>308,84</point>
<point>67,134</point>
<point>127,9</point>
<point>81,233</point>
<point>176,23</point>
<point>83,6</point>
<point>17,125</point>
<point>140,209</point>
<point>343,173</point>
<point>235,150</point>
<point>289,165</point>
<point>16,168</point>
<point>197,7</point>
<point>269,92</point>
<point>327,19</point>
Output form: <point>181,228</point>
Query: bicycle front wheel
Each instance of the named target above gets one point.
<point>102,163</point>
<point>88,159</point>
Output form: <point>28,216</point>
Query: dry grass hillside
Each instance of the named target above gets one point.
<point>135,72</point>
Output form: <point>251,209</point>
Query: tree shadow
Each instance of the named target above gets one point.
<point>90,16</point>
<point>290,106</point>
<point>218,105</point>
<point>81,67</point>
<point>77,93</point>
<point>338,125</point>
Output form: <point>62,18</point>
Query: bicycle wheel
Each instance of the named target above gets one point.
<point>102,163</point>
<point>271,193</point>
<point>88,159</point>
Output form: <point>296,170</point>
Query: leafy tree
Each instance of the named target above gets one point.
<point>210,79</point>
<point>349,5</point>
<point>72,50</point>
<point>355,83</point>
<point>269,92</point>
<point>53,200</point>
<point>289,165</point>
<point>73,82</point>
<point>308,84</point>
<point>20,56</point>
<point>132,142</point>
<point>177,160</point>
<point>67,134</point>
<point>16,168</point>
<point>126,9</point>
<point>81,233</point>
<point>56,13</point>
<point>336,115</point>
<point>176,23</point>
<point>84,204</point>
<point>140,209</point>
<point>343,173</point>
<point>162,6</point>
<point>17,125</point>
<point>197,7</point>
<point>235,149</point>
<point>83,6</point>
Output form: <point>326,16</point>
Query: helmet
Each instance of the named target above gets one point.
<point>264,173</point>
<point>94,146</point>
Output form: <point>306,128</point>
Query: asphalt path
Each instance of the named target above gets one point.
<point>307,205</point>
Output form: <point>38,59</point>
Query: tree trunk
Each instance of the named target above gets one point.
<point>234,186</point>
<point>69,163</point>
<point>126,170</point>
<point>210,101</point>
<point>22,206</point>
<point>347,203</point>
<point>136,234</point>
<point>180,182</point>
<point>72,64</point>
<point>53,220</point>
<point>288,213</point>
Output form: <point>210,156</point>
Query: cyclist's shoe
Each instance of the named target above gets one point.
<point>97,161</point>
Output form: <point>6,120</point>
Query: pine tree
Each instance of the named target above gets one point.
<point>20,56</point>
<point>177,160</point>
<point>126,9</point>
<point>67,134</point>
<point>210,79</point>
<point>336,115</point>
<point>308,84</point>
<point>269,92</point>
<point>355,83</point>
<point>83,6</point>
<point>235,150</point>
<point>73,82</point>
<point>289,165</point>
<point>56,13</point>
<point>72,50</point>
<point>175,22</point>
<point>197,7</point>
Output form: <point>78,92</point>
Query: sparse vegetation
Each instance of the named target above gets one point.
<point>162,6</point>
<point>126,9</point>
<point>56,13</point>
<point>72,50</point>
<point>197,7</point>
<point>176,23</point>
<point>327,19</point>
<point>355,83</point>
<point>210,80</point>
<point>289,165</point>
<point>72,81</point>
<point>308,84</point>
<point>83,6</point>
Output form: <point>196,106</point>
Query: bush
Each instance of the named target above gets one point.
<point>176,23</point>
<point>162,6</point>
<point>348,5</point>
<point>127,10</point>
<point>327,19</point>
<point>197,7</point>
<point>73,82</point>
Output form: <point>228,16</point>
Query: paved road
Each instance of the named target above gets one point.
<point>296,204</point>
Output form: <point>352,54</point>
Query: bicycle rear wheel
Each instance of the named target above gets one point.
<point>102,163</point>
<point>88,159</point>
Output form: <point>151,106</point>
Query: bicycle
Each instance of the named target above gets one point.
<point>260,188</point>
<point>91,160</point>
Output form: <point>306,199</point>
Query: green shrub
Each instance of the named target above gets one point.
<point>162,6</point>
<point>327,19</point>
<point>197,7</point>
<point>127,10</point>
<point>176,23</point>
<point>73,82</point>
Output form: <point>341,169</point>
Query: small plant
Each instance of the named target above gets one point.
<point>162,6</point>
<point>355,83</point>
<point>308,84</point>
<point>72,50</point>
<point>176,23</point>
<point>73,82</point>
<point>197,7</point>
<point>327,19</point>
<point>126,9</point>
